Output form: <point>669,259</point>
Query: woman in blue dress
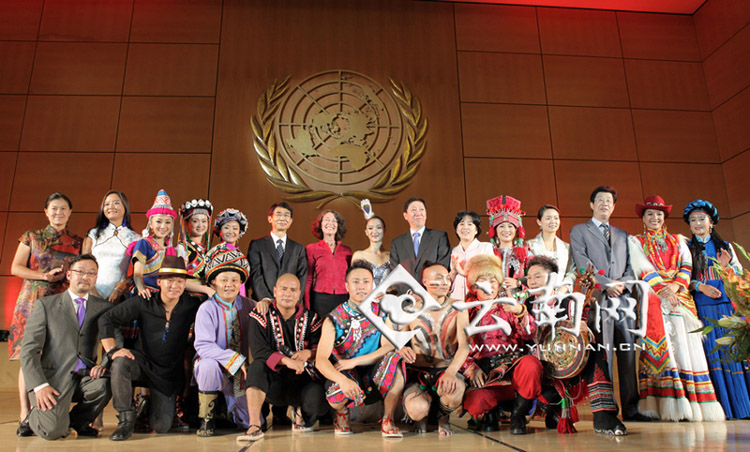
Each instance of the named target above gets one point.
<point>731,380</point>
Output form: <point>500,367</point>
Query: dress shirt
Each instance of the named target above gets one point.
<point>276,239</point>
<point>326,270</point>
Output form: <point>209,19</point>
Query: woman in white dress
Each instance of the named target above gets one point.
<point>468,226</point>
<point>108,241</point>
<point>548,244</point>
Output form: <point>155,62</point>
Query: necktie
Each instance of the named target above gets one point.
<point>605,231</point>
<point>416,244</point>
<point>280,249</point>
<point>81,312</point>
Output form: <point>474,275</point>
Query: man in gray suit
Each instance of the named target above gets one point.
<point>420,244</point>
<point>606,248</point>
<point>58,358</point>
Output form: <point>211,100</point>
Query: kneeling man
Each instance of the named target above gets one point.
<point>58,358</point>
<point>283,342</point>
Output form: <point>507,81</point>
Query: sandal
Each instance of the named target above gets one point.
<point>393,431</point>
<point>254,436</point>
<point>298,426</point>
<point>341,423</point>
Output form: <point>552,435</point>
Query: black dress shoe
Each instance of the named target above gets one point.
<point>24,429</point>
<point>638,417</point>
<point>490,422</point>
<point>86,431</point>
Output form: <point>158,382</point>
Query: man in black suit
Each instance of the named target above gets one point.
<point>420,244</point>
<point>275,255</point>
<point>58,358</point>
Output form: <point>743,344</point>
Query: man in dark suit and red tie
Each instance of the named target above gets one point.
<point>274,255</point>
<point>420,244</point>
<point>58,358</point>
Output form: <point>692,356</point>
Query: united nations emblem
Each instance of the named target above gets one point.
<point>339,134</point>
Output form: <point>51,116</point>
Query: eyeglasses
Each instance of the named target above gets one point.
<point>82,273</point>
<point>282,215</point>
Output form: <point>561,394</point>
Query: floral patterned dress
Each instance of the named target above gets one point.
<point>49,249</point>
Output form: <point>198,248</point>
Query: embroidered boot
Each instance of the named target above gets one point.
<point>207,412</point>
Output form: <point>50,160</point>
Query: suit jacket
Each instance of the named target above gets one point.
<point>53,341</point>
<point>434,247</point>
<point>588,245</point>
<point>265,267</point>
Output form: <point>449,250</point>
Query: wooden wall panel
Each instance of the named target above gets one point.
<point>502,130</point>
<point>496,28</point>
<point>678,136</point>
<point>578,32</point>
<point>16,60</point>
<point>166,124</point>
<point>11,118</point>
<point>658,36</point>
<point>86,177</point>
<point>7,169</point>
<point>19,19</point>
<point>738,183</point>
<point>731,123</point>
<point>501,77</point>
<point>78,68</point>
<point>176,21</point>
<point>141,176</point>
<point>592,133</point>
<point>494,177</point>
<point>585,81</point>
<point>717,20</point>
<point>70,123</point>
<point>9,288</point>
<point>728,68</point>
<point>742,232</point>
<point>577,179</point>
<point>171,70</point>
<point>668,181</point>
<point>666,84</point>
<point>92,20</point>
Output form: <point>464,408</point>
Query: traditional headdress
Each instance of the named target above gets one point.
<point>196,206</point>
<point>653,202</point>
<point>505,208</point>
<point>162,206</point>
<point>172,266</point>
<point>484,265</point>
<point>700,206</point>
<point>227,215</point>
<point>227,260</point>
<point>366,207</point>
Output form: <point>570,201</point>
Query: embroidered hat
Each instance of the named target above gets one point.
<point>700,206</point>
<point>654,202</point>
<point>172,266</point>
<point>196,206</point>
<point>162,206</point>
<point>505,208</point>
<point>227,260</point>
<point>227,215</point>
<point>484,265</point>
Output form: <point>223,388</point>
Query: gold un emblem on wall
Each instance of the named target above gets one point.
<point>339,134</point>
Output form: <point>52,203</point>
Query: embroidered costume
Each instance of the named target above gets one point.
<point>356,336</point>
<point>50,249</point>
<point>224,217</point>
<point>194,253</point>
<point>504,209</point>
<point>673,377</point>
<point>731,380</point>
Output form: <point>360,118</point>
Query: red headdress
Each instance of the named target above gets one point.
<point>505,208</point>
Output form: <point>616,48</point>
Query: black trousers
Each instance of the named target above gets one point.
<point>323,303</point>
<point>284,388</point>
<point>124,373</point>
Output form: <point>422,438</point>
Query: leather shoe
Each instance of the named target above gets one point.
<point>124,426</point>
<point>24,429</point>
<point>86,431</point>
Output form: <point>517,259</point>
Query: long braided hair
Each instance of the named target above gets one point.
<point>697,248</point>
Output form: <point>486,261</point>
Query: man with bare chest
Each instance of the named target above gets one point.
<point>435,356</point>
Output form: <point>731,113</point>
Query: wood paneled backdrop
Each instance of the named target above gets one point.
<point>540,103</point>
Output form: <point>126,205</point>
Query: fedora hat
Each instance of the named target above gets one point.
<point>172,266</point>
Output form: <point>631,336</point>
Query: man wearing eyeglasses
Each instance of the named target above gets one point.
<point>58,358</point>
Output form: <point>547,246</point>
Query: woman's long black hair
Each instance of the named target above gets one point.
<point>700,261</point>
<point>101,219</point>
